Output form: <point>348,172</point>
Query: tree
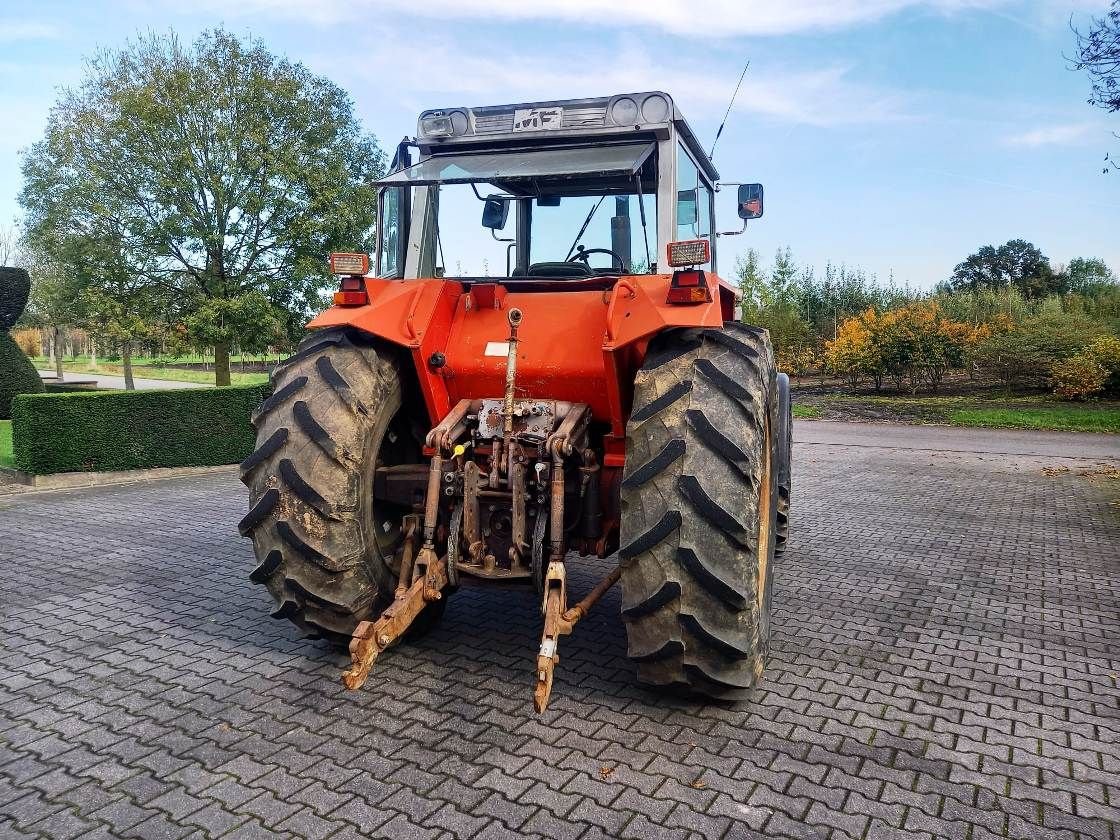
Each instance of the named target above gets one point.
<point>1098,53</point>
<point>783,276</point>
<point>1089,276</point>
<point>916,342</point>
<point>52,303</point>
<point>1016,264</point>
<point>854,353</point>
<point>10,246</point>
<point>1029,349</point>
<point>770,300</point>
<point>217,171</point>
<point>752,281</point>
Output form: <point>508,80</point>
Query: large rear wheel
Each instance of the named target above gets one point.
<point>699,507</point>
<point>785,464</point>
<point>326,549</point>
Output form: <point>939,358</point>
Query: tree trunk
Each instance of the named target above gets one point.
<point>93,354</point>
<point>56,340</point>
<point>126,363</point>
<point>221,364</point>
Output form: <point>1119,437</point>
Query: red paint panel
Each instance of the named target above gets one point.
<point>579,346</point>
<point>559,355</point>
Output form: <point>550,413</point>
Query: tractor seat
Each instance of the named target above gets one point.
<point>556,270</point>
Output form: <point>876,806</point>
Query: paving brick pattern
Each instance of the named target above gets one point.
<point>945,666</point>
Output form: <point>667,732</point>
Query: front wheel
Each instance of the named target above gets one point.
<point>699,508</point>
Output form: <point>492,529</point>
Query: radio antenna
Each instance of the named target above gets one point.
<point>730,104</point>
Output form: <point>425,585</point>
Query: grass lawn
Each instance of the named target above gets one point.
<point>1063,418</point>
<point>6,459</point>
<point>806,412</point>
<point>991,409</point>
<point>163,361</point>
<point>170,374</point>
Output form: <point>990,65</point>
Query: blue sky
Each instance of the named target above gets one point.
<point>893,134</point>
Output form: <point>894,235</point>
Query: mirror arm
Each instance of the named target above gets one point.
<point>734,232</point>
<point>509,248</point>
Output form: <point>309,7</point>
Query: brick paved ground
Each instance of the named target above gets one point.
<point>946,665</point>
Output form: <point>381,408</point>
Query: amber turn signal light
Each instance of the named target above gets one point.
<point>689,287</point>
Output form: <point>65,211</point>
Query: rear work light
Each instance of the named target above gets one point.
<point>689,287</point>
<point>352,289</point>
<point>689,252</point>
<point>345,263</point>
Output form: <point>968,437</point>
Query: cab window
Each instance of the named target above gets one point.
<point>694,200</point>
<point>391,252</point>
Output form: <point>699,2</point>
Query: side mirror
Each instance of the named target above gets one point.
<point>750,201</point>
<point>495,212</point>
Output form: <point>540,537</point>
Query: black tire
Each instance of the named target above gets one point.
<point>699,509</point>
<point>328,557</point>
<point>785,465</point>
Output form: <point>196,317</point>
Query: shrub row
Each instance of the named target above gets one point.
<point>123,430</point>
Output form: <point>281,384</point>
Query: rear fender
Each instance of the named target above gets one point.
<point>421,316</point>
<point>414,314</point>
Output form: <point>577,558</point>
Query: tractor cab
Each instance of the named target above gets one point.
<point>567,190</point>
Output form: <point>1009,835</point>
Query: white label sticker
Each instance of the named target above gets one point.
<point>497,348</point>
<point>537,119</point>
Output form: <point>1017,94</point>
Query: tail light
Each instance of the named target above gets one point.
<point>352,292</point>
<point>352,289</point>
<point>689,252</point>
<point>689,287</point>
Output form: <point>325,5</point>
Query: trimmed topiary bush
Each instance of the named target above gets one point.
<point>125,430</point>
<point>17,374</point>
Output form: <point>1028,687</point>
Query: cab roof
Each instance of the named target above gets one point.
<point>563,120</point>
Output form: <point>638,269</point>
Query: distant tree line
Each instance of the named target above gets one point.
<point>1005,311</point>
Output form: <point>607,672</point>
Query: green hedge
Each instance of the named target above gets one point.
<point>124,430</point>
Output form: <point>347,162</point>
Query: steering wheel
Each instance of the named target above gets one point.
<point>582,254</point>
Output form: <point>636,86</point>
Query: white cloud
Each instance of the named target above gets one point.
<point>446,73</point>
<point>1051,135</point>
<point>712,18</point>
<point>25,30</point>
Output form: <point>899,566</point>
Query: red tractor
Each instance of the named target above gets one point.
<point>494,401</point>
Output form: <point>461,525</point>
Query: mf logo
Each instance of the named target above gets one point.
<point>537,119</point>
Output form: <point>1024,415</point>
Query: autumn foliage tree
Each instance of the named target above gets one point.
<point>914,344</point>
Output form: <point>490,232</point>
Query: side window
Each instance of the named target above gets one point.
<point>694,200</point>
<point>391,233</point>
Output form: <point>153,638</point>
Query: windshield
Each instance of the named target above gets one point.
<point>561,229</point>
<point>555,213</point>
<point>613,223</point>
